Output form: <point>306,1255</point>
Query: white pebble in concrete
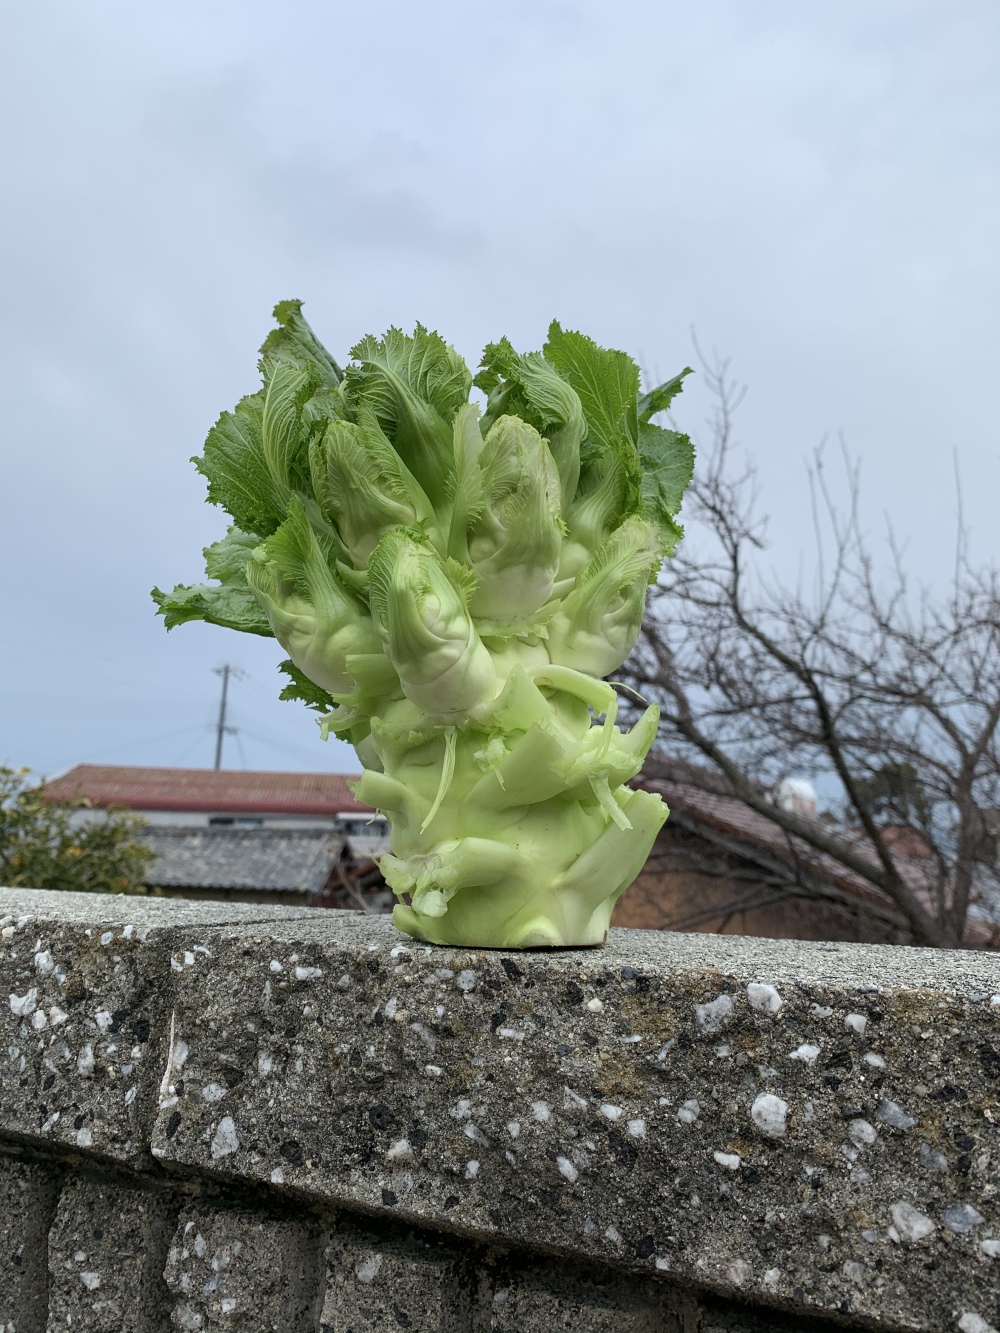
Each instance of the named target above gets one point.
<point>770,1114</point>
<point>892,1114</point>
<point>688,1112</point>
<point>910,1223</point>
<point>44,963</point>
<point>225,1139</point>
<point>713,1016</point>
<point>738,1272</point>
<point>807,1053</point>
<point>764,999</point>
<point>367,1269</point>
<point>862,1133</point>
<point>931,1159</point>
<point>567,1169</point>
<point>961,1218</point>
<point>857,1023</point>
<point>730,1160</point>
<point>21,1006</point>
<point>971,1322</point>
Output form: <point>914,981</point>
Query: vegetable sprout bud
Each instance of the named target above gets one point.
<point>420,603</point>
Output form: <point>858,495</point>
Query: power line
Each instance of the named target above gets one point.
<point>152,740</point>
<point>294,751</point>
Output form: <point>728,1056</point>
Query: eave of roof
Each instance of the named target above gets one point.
<point>193,790</point>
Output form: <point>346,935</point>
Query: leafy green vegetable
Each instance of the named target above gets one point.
<point>228,603</point>
<point>660,398</point>
<point>293,340</point>
<point>667,460</point>
<point>301,688</point>
<point>450,586</point>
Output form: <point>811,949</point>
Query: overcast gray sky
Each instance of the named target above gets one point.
<point>814,187</point>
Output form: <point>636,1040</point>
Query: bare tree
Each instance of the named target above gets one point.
<point>893,690</point>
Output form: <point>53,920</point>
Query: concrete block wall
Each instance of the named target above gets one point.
<point>226,1117</point>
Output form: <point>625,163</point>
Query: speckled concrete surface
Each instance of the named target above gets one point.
<point>85,980</point>
<point>816,1126</point>
<point>811,1129</point>
<point>105,1258</point>
<point>28,1195</point>
<point>415,1282</point>
<point>237,1270</point>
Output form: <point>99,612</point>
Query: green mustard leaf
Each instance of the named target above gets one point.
<point>667,459</point>
<point>235,466</point>
<point>415,387</point>
<point>660,398</point>
<point>295,341</point>
<point>232,608</point>
<point>301,688</point>
<point>425,364</point>
<point>606,381</point>
<point>228,603</point>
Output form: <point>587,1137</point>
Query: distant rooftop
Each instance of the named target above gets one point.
<point>703,800</point>
<point>295,861</point>
<point>204,789</point>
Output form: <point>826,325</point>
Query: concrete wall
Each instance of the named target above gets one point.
<point>223,1117</point>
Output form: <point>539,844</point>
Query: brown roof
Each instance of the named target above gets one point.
<point>206,789</point>
<point>707,799</point>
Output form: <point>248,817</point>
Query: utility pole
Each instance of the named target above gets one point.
<point>220,729</point>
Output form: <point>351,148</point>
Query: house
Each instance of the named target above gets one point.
<point>244,835</point>
<point>234,864</point>
<point>229,798</point>
<point>721,867</point>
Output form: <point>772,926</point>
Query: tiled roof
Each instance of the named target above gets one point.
<point>272,860</point>
<point>205,789</point>
<point>706,798</point>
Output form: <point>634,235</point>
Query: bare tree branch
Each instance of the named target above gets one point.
<point>892,692</point>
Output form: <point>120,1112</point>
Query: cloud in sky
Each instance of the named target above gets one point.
<point>813,187</point>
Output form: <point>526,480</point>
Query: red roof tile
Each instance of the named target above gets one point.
<point>205,789</point>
